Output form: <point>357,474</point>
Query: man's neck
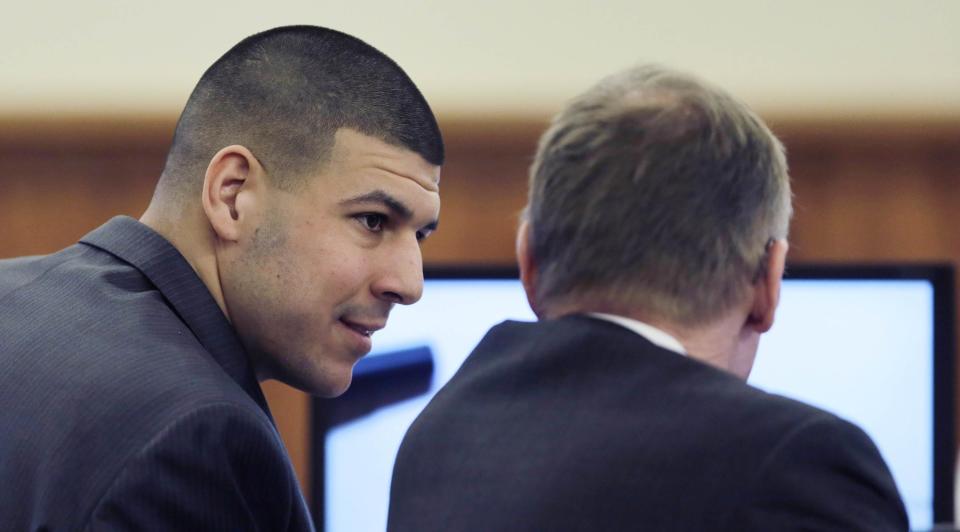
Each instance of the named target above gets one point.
<point>655,335</point>
<point>723,343</point>
<point>185,231</point>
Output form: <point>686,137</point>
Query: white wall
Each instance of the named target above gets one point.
<point>793,57</point>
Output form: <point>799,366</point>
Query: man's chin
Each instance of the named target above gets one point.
<point>328,383</point>
<point>331,386</point>
<point>336,389</point>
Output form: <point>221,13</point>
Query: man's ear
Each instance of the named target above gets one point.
<point>231,187</point>
<point>528,267</point>
<point>766,289</point>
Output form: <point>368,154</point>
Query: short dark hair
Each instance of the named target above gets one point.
<point>285,92</point>
<point>655,191</point>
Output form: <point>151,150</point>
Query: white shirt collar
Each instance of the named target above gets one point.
<point>656,336</point>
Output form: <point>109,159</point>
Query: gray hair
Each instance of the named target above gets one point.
<point>657,191</point>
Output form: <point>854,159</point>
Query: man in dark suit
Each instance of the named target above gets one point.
<point>651,250</point>
<point>303,173</point>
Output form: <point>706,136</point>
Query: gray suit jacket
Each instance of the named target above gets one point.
<point>126,399</point>
<point>581,424</point>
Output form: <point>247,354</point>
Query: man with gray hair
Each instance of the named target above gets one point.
<point>652,251</point>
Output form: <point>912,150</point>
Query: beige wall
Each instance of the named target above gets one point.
<point>503,56</point>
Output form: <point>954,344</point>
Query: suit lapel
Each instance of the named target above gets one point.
<point>169,271</point>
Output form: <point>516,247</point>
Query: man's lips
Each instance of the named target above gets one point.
<point>364,328</point>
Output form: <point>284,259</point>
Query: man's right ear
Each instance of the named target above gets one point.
<point>528,266</point>
<point>231,193</point>
<point>766,289</point>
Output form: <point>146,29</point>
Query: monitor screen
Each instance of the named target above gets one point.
<point>873,345</point>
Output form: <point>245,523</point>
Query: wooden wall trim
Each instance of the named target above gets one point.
<point>79,131</point>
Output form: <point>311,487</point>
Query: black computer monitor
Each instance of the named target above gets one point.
<point>873,344</point>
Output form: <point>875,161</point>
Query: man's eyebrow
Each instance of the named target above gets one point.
<point>397,207</point>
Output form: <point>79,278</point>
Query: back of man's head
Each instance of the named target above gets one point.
<point>657,192</point>
<point>283,94</point>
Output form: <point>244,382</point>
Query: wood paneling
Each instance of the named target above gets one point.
<point>866,191</point>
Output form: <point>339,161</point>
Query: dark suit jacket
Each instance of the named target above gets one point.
<point>581,424</point>
<point>126,399</point>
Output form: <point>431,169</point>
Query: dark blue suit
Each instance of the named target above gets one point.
<point>578,424</point>
<point>126,399</point>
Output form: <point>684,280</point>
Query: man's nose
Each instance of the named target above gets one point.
<point>400,279</point>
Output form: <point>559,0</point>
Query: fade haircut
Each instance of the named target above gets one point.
<point>284,93</point>
<point>658,192</point>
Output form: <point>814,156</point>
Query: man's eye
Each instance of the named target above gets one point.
<point>372,221</point>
